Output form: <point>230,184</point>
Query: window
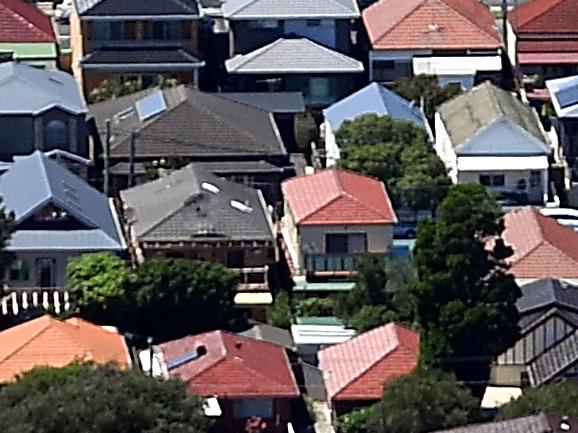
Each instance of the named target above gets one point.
<point>45,272</point>
<point>108,30</point>
<point>100,30</point>
<point>384,64</point>
<point>343,243</point>
<point>19,270</point>
<point>56,135</point>
<point>313,23</point>
<point>492,180</point>
<point>116,32</point>
<point>248,407</point>
<point>264,24</point>
<point>318,87</point>
<point>535,179</point>
<point>166,30</point>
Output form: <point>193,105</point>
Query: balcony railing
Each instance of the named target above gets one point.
<point>252,278</point>
<point>333,262</point>
<point>16,300</point>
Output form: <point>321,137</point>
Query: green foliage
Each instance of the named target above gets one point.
<point>398,153</point>
<point>465,302</point>
<point>361,420</point>
<point>89,399</point>
<point>315,307</point>
<point>426,89</point>
<point>280,311</point>
<point>558,398</point>
<point>306,130</point>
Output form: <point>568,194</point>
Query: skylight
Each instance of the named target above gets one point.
<point>151,105</point>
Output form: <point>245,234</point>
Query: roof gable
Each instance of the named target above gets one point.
<point>21,22</point>
<point>457,24</point>
<point>262,9</point>
<point>545,293</point>
<point>135,8</point>
<point>545,16</point>
<point>338,197</point>
<point>373,99</point>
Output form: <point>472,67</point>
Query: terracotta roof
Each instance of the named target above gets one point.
<point>48,341</point>
<point>338,197</point>
<point>543,248</point>
<point>234,366</point>
<point>545,16</point>
<point>547,46</point>
<point>434,24</point>
<point>22,22</point>
<point>358,368</point>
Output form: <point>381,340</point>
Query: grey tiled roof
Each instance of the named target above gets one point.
<point>545,293</point>
<point>142,55</point>
<point>527,424</point>
<point>490,121</point>
<point>194,124</point>
<point>240,167</point>
<point>270,334</point>
<point>136,7</point>
<point>181,207</point>
<point>26,89</point>
<point>274,102</point>
<point>554,361</point>
<point>292,56</point>
<point>283,9</point>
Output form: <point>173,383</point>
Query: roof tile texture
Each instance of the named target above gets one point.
<point>234,366</point>
<point>338,197</point>
<point>437,24</point>
<point>47,341</point>
<point>545,16</point>
<point>22,22</point>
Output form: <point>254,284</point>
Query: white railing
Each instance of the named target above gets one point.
<point>54,299</point>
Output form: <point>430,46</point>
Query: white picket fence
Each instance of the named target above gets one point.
<point>55,299</point>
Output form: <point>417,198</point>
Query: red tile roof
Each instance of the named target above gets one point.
<point>542,247</point>
<point>234,366</point>
<point>431,24</point>
<point>358,368</point>
<point>338,197</point>
<point>47,341</point>
<point>22,22</point>
<point>545,16</point>
<point>547,46</point>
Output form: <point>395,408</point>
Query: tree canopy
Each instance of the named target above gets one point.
<point>556,398</point>
<point>398,153</point>
<point>163,298</point>
<point>465,302</point>
<point>89,399</point>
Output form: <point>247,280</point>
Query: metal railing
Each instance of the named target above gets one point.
<point>16,300</point>
<point>334,262</point>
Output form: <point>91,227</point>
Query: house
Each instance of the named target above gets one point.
<point>58,216</point>
<point>270,334</point>
<point>372,99</point>
<point>51,342</point>
<point>179,124</point>
<point>488,136</point>
<point>543,39</point>
<point>141,41</point>
<point>564,97</point>
<point>322,74</point>
<point>27,35</point>
<point>456,40</point>
<point>40,109</point>
<point>332,218</point>
<point>191,213</point>
<point>355,371</point>
<point>256,23</point>
<point>543,248</point>
<point>548,323</point>
<point>540,423</point>
<point>249,378</point>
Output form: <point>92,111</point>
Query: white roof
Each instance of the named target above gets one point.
<point>496,396</point>
<point>321,334</point>
<point>564,96</point>
<point>506,163</point>
<point>463,65</point>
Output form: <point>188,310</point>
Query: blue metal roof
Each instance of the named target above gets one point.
<point>372,99</point>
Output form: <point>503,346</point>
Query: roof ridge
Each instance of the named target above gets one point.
<point>334,53</point>
<point>33,10</point>
<point>29,340</point>
<point>469,20</point>
<point>258,52</point>
<point>540,12</point>
<point>390,29</point>
<point>246,5</point>
<point>341,5</point>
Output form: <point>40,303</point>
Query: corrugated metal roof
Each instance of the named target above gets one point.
<point>283,9</point>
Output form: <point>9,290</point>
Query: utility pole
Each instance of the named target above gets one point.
<point>131,159</point>
<point>505,23</point>
<point>107,157</point>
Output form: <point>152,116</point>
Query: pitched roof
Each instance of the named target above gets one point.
<point>358,368</point>
<point>543,248</point>
<point>335,196</point>
<point>554,361</point>
<point>127,8</point>
<point>26,89</point>
<point>564,95</point>
<point>193,124</point>
<point>373,99</point>
<point>35,181</point>
<point>484,121</point>
<point>292,56</point>
<point>546,293</point>
<point>267,9</point>
<point>192,203</point>
<point>273,102</point>
<point>48,341</point>
<point>432,24</point>
<point>234,366</point>
<point>545,16</point>
<point>21,22</point>
<point>527,424</point>
<point>270,334</point>
<point>142,55</point>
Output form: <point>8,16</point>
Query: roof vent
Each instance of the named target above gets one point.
<point>565,424</point>
<point>242,207</point>
<point>433,27</point>
<point>210,187</point>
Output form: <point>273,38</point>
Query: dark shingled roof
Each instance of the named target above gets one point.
<point>142,55</point>
<point>527,424</point>
<point>545,293</point>
<point>192,203</point>
<point>274,102</point>
<point>136,7</point>
<point>194,124</point>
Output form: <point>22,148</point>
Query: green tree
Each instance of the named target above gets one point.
<point>558,398</point>
<point>315,307</point>
<point>98,285</point>
<point>425,89</point>
<point>465,301</point>
<point>90,399</point>
<point>280,311</point>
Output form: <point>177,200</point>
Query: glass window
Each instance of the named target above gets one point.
<point>535,178</point>
<point>492,180</point>
<point>339,243</point>
<point>20,271</point>
<point>45,272</point>
<point>498,180</point>
<point>166,30</point>
<point>116,32</point>
<point>249,407</point>
<point>100,30</point>
<point>336,243</point>
<point>313,23</point>
<point>485,180</point>
<point>56,135</point>
<point>264,24</point>
<point>319,87</point>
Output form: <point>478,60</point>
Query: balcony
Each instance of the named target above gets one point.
<point>252,279</point>
<point>334,263</point>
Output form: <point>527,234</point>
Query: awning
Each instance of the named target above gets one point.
<point>547,58</point>
<point>502,163</point>
<point>449,65</point>
<point>25,51</point>
<point>250,298</point>
<point>496,396</point>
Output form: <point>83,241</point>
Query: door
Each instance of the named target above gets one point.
<point>45,269</point>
